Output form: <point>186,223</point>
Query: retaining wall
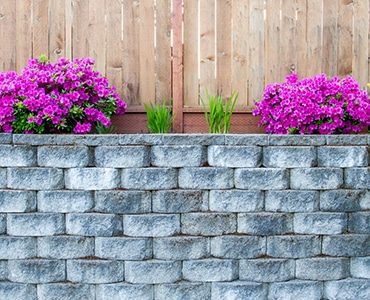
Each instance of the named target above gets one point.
<point>184,217</point>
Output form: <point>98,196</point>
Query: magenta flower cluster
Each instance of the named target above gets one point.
<point>317,105</point>
<point>62,97</point>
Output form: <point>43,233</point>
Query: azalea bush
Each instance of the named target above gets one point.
<point>317,105</point>
<point>62,97</point>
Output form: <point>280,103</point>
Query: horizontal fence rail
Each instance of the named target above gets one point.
<point>161,49</point>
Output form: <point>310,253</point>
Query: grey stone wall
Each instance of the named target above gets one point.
<point>184,217</point>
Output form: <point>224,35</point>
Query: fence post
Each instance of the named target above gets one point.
<point>177,68</point>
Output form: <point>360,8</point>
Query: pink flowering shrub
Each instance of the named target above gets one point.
<point>314,105</point>
<point>63,97</point>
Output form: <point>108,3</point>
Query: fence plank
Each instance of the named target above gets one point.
<point>345,29</point>
<point>240,13</point>
<point>23,33</point>
<point>130,46</point>
<point>7,35</point>
<point>301,37</point>
<point>224,43</point>
<point>314,36</point>
<point>163,51</point>
<point>191,42</point>
<point>256,50</point>
<point>80,28</point>
<point>147,52</point>
<point>289,45</point>
<point>96,33</point>
<point>57,30</point>
<point>114,58</point>
<point>272,41</point>
<point>360,36</point>
<point>330,37</point>
<point>207,48</point>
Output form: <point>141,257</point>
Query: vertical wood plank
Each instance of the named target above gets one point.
<point>7,35</point>
<point>301,38</point>
<point>114,57</point>
<point>80,27</point>
<point>360,41</point>
<point>240,11</point>
<point>163,51</point>
<point>57,29</point>
<point>96,33</point>
<point>68,26</point>
<point>177,68</point>
<point>288,46</point>
<point>272,42</point>
<point>207,48</point>
<point>191,43</point>
<point>23,33</point>
<point>130,44</point>
<point>224,46</point>
<point>345,30</point>
<point>147,52</point>
<point>256,50</point>
<point>330,38</point>
<point>314,36</point>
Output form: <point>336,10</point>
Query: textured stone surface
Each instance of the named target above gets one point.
<point>10,290</point>
<point>91,179</point>
<point>262,179</point>
<point>265,223</point>
<point>296,140</point>
<point>357,178</point>
<point>3,223</point>
<point>123,248</point>
<point>35,178</point>
<point>266,270</point>
<point>238,247</point>
<point>36,270</point>
<point>181,248</point>
<point>3,178</point>
<point>17,201</point>
<point>316,178</point>
<point>179,201</point>
<point>65,291</point>
<point>347,289</point>
<point>149,178</point>
<point>342,157</point>
<point>359,222</point>
<point>183,290</point>
<point>124,291</point>
<point>293,246</point>
<point>291,201</point>
<point>210,270</point>
<point>238,290</point>
<point>346,245</point>
<point>95,271</point>
<point>322,268</point>
<point>3,270</point>
<point>360,267</point>
<point>343,200</point>
<point>234,156</point>
<point>65,201</point>
<point>17,247</point>
<point>247,139</point>
<point>235,201</point>
<point>17,156</point>
<point>151,225</point>
<point>320,223</point>
<point>93,224</point>
<point>210,224</point>
<point>65,247</point>
<point>346,139</point>
<point>296,289</point>
<point>152,271</point>
<point>64,156</point>
<point>178,156</point>
<point>289,157</point>
<point>122,202</point>
<point>206,178</point>
<point>35,224</point>
<point>122,156</point>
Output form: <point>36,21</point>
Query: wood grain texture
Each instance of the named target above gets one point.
<point>57,29</point>
<point>24,33</point>
<point>7,35</point>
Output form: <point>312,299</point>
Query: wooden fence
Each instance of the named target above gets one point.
<point>162,49</point>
